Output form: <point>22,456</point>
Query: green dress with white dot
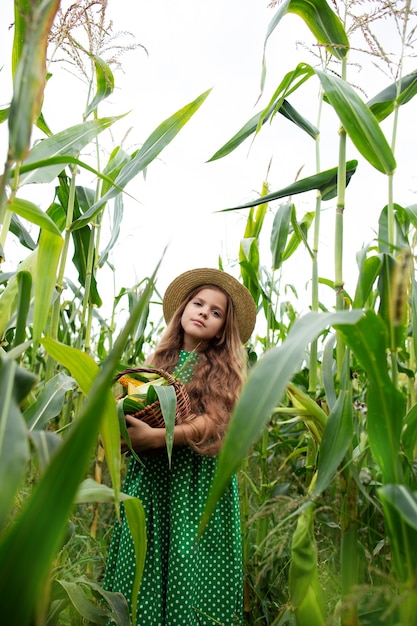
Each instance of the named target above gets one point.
<point>185,582</point>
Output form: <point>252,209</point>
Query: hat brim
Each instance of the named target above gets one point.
<point>244,305</point>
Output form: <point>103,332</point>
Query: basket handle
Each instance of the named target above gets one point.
<point>131,370</point>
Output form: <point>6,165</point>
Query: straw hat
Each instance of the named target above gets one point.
<point>243,302</point>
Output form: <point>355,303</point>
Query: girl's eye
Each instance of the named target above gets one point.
<point>216,313</point>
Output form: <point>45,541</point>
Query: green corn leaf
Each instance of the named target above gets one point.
<point>328,363</point>
<point>116,217</point>
<point>252,126</point>
<point>4,115</point>
<point>81,239</point>
<point>400,513</point>
<point>359,122</point>
<point>9,297</point>
<point>135,516</point>
<point>320,19</point>
<point>401,240</point>
<point>151,148</point>
<point>313,415</point>
<point>67,143</point>
<point>30,74</point>
<point>115,600</point>
<point>299,235</point>
<point>33,214</point>
<point>50,401</point>
<point>19,231</point>
<point>50,168</point>
<point>249,263</point>
<point>168,401</point>
<point>15,383</point>
<point>384,103</point>
<point>21,21</point>
<point>368,340</point>
<point>124,431</point>
<point>325,182</point>
<point>305,592</point>
<point>409,434</point>
<point>414,312</point>
<point>118,159</point>
<point>82,604</point>
<point>263,391</point>
<point>279,233</point>
<point>369,271</point>
<point>92,491</point>
<point>50,246</point>
<point>290,83</point>
<point>24,281</point>
<point>46,443</point>
<point>104,83</point>
<point>337,435</point>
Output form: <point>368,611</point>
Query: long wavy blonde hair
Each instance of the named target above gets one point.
<point>218,375</point>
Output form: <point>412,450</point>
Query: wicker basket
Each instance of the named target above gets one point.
<point>152,413</point>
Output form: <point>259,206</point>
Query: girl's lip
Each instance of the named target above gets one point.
<point>199,322</point>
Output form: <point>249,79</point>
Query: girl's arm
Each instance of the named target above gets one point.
<point>144,437</point>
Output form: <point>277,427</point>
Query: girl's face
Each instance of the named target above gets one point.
<point>203,317</point>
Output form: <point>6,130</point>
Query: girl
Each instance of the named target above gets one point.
<point>186,582</point>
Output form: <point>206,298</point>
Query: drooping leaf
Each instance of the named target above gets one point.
<point>19,231</point>
<point>32,213</point>
<point>359,122</point>
<point>104,83</point>
<point>279,233</point>
<point>252,126</point>
<point>325,182</point>
<point>324,24</point>
<point>397,93</point>
<point>168,401</point>
<point>50,401</point>
<point>83,605</point>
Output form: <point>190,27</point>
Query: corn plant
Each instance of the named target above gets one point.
<point>58,357</point>
<point>357,402</point>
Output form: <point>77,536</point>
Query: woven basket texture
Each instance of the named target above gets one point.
<point>152,413</point>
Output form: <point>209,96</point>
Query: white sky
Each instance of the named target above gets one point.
<point>192,47</point>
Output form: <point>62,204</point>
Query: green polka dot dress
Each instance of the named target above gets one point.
<point>185,582</point>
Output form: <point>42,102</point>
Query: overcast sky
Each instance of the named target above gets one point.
<point>191,47</point>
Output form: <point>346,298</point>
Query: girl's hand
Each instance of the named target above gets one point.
<point>142,436</point>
